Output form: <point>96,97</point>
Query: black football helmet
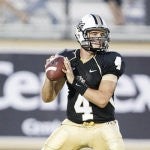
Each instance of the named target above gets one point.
<point>88,23</point>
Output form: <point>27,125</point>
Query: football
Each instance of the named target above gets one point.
<point>54,68</point>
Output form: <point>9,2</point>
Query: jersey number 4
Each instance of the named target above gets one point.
<point>118,62</point>
<point>83,106</point>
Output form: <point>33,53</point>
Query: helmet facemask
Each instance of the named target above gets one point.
<point>87,25</point>
<point>100,43</point>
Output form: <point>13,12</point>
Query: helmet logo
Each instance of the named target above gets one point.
<point>80,26</point>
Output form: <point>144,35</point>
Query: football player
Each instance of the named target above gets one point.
<point>92,73</point>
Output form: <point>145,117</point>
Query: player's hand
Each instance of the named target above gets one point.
<point>68,71</point>
<point>51,58</point>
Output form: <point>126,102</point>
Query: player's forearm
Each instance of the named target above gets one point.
<point>97,97</point>
<point>101,96</point>
<point>51,89</point>
<point>48,92</point>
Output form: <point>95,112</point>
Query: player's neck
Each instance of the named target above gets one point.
<point>85,56</point>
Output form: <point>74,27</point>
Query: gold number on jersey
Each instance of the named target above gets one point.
<point>118,62</point>
<point>83,106</point>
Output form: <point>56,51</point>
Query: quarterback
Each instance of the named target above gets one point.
<point>91,74</point>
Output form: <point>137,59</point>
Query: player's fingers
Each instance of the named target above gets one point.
<point>49,60</point>
<point>52,57</point>
<point>66,68</point>
<point>63,70</point>
<point>68,71</point>
<point>67,63</point>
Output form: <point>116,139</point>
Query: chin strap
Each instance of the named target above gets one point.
<point>88,47</point>
<point>94,50</point>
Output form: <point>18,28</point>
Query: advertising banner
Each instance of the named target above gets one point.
<point>22,112</point>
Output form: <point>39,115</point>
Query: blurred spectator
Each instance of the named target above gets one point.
<point>116,9</point>
<point>41,4</point>
<point>17,12</point>
<point>147,10</point>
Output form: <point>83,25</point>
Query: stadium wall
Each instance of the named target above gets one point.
<point>25,121</point>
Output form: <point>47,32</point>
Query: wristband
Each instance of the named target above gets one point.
<point>80,85</point>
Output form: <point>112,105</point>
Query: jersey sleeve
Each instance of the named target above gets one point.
<point>69,53</point>
<point>113,63</point>
<point>63,52</point>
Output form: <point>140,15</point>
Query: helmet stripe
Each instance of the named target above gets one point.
<point>97,19</point>
<point>94,18</point>
<point>100,20</point>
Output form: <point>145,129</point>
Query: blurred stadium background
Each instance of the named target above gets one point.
<point>31,31</point>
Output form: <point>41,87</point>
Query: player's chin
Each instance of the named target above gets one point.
<point>96,45</point>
